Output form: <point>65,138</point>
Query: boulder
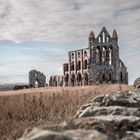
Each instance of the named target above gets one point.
<point>112,117</point>
<point>39,134</point>
<point>110,110</point>
<point>126,103</point>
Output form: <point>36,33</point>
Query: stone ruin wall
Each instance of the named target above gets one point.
<point>56,81</point>
<point>97,64</point>
<point>36,79</point>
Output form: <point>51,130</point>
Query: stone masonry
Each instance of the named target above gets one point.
<point>56,81</point>
<point>36,79</point>
<point>137,83</point>
<point>97,64</point>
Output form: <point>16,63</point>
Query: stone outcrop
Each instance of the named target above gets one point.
<point>120,104</point>
<point>112,117</point>
<point>137,83</point>
<point>39,134</point>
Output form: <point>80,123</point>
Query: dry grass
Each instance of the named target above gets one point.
<point>20,109</point>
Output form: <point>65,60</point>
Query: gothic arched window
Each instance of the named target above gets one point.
<point>98,55</point>
<point>110,77</point>
<point>107,39</point>
<point>85,64</point>
<point>79,79</point>
<point>67,78</point>
<point>73,79</point>
<point>72,66</point>
<point>72,55</point>
<point>104,54</point>
<point>99,39</point>
<point>85,53</point>
<point>103,37</point>
<point>120,64</point>
<point>79,65</point>
<point>104,77</point>
<point>78,54</point>
<point>85,79</point>
<point>110,56</point>
<point>121,77</point>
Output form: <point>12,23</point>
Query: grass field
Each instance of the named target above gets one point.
<point>23,108</point>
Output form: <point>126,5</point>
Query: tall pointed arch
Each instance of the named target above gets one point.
<point>73,79</point>
<point>86,79</point>
<point>79,79</point>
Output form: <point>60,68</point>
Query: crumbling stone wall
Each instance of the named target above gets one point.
<point>137,83</point>
<point>97,64</point>
<point>56,81</point>
<point>36,79</point>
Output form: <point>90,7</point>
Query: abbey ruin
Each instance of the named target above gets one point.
<point>98,63</point>
<point>36,79</point>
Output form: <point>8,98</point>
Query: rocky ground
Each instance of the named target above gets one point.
<point>109,117</point>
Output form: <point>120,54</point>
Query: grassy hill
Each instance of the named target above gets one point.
<point>23,108</point>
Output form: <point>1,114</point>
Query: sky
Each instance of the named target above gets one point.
<point>37,34</point>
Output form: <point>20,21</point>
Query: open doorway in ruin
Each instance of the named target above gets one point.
<point>36,79</point>
<point>36,84</point>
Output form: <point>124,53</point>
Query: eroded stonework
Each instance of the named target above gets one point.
<point>137,83</point>
<point>36,79</point>
<point>114,116</point>
<point>97,64</point>
<point>56,81</point>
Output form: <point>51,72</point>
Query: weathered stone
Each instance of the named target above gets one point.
<point>56,81</point>
<point>111,110</point>
<point>137,83</point>
<point>98,63</point>
<point>130,135</point>
<point>39,134</point>
<point>113,126</point>
<point>94,128</point>
<point>36,77</point>
<point>125,102</point>
<point>111,117</point>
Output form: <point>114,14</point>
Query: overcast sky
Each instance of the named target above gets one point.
<point>37,34</point>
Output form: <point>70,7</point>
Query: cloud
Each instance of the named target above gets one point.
<point>51,20</point>
<point>16,71</point>
<point>70,21</point>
